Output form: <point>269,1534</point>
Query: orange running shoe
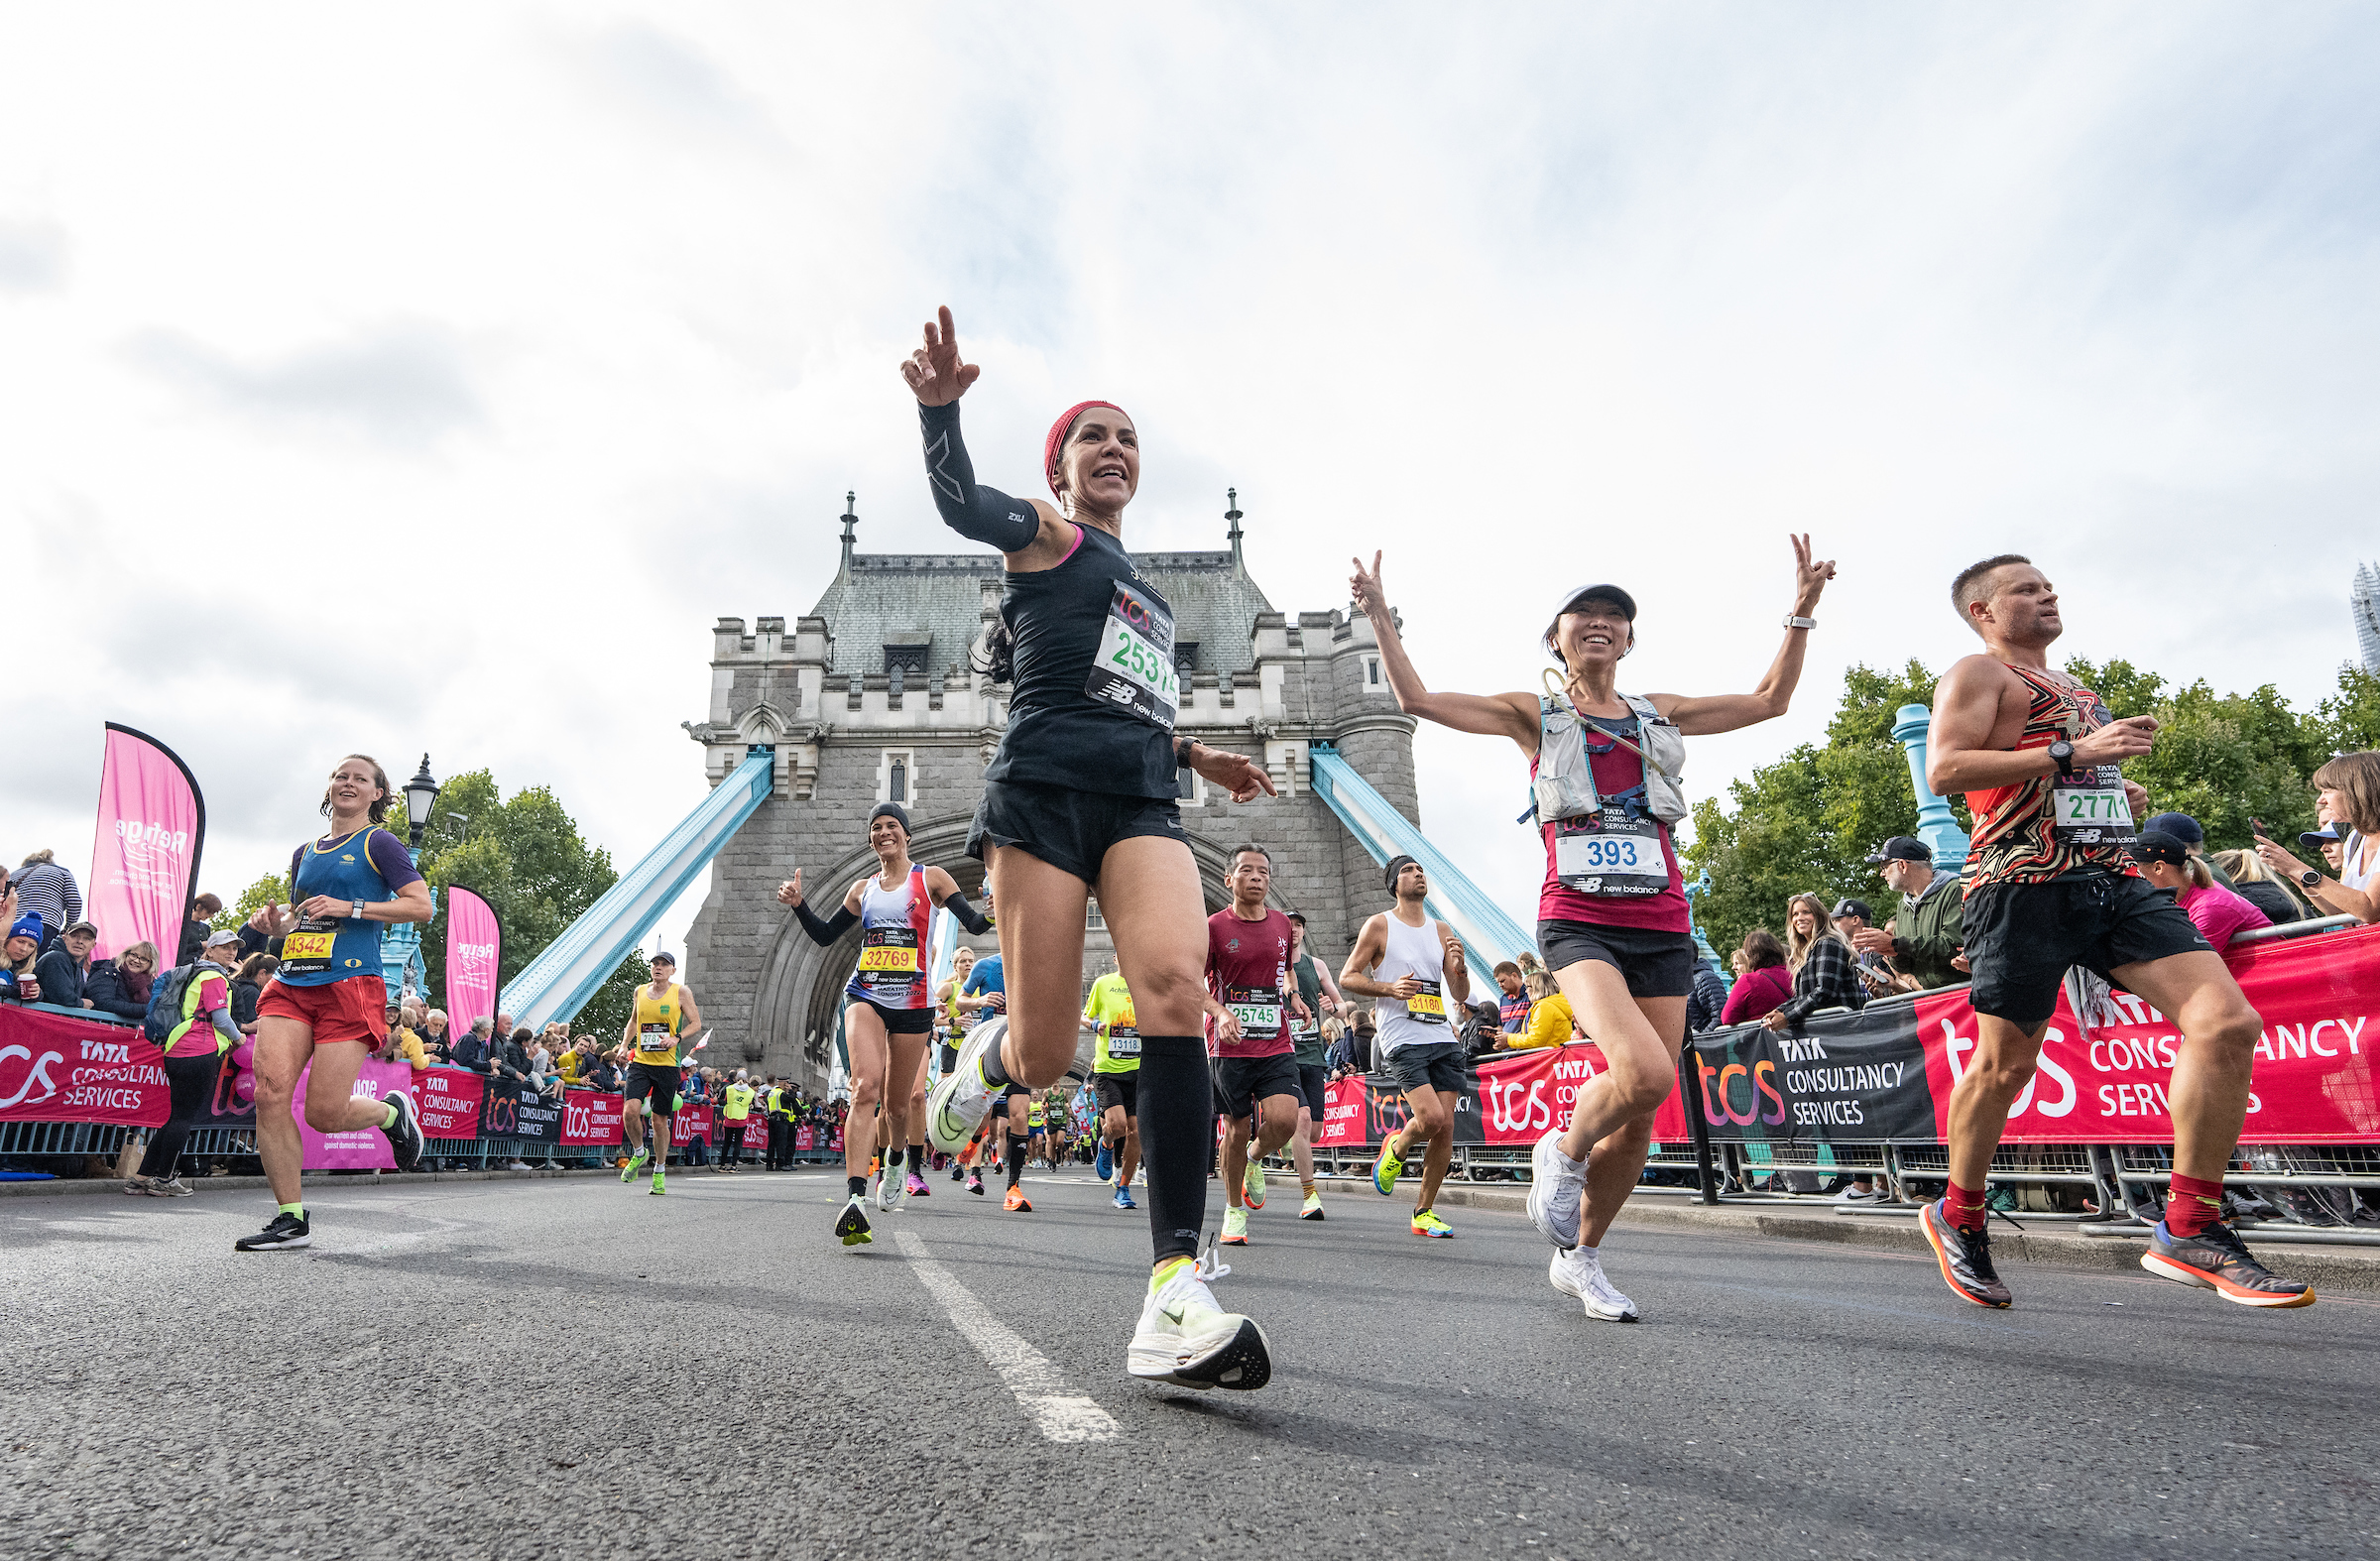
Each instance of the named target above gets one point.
<point>1016,1203</point>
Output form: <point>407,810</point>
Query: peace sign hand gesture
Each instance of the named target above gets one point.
<point>1809,576</point>
<point>934,371</point>
<point>1364,586</point>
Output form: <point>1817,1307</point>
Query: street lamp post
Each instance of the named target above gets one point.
<point>401,967</point>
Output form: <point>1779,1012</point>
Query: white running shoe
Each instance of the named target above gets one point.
<point>1186,1339</point>
<point>1577,1271</point>
<point>962,1097</point>
<point>1860,1195</point>
<point>887,1191</point>
<point>1556,1183</point>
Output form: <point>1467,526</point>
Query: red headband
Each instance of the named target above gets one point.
<point>1057,436</point>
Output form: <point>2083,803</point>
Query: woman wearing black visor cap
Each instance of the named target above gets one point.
<point>1611,915</point>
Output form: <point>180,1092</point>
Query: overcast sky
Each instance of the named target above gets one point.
<point>432,378</point>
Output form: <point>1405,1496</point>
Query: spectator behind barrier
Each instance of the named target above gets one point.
<point>2218,913</point>
<point>2193,836</point>
<point>120,985</point>
<point>2260,887</point>
<point>512,1057</point>
<point>433,1036</point>
<point>248,989</point>
<point>63,968</point>
<point>2347,794</point>
<point>404,1039</point>
<point>477,1050</point>
<point>195,930</point>
<point>1551,1021</point>
<point>1707,1000</point>
<point>1513,1013</point>
<point>1849,919</point>
<point>1926,940</point>
<point>1825,970</point>
<point>49,892</point>
<point>1763,984</point>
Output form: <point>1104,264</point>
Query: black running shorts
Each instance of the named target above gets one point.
<point>900,1022</point>
<point>1239,1082</point>
<point>1655,964</point>
<point>1066,828</point>
<point>1000,1103</point>
<point>2021,937</point>
<point>1312,1088</point>
<point>1118,1089</point>
<point>1438,1067</point>
<point>652,1082</point>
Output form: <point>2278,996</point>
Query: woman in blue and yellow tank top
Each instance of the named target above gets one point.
<point>891,1016</point>
<point>327,1005</point>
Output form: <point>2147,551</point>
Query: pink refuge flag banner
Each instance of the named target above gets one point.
<point>145,856</point>
<point>474,952</point>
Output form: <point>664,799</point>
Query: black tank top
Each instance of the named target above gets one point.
<point>1094,689</point>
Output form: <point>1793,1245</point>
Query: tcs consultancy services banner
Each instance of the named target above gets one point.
<point>1885,1074</point>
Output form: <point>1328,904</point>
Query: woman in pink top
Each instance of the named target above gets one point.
<point>1765,984</point>
<point>2219,914</point>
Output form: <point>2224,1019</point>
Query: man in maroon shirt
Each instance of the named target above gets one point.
<point>1249,996</point>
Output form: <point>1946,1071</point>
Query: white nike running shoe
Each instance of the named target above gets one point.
<point>1577,1271</point>
<point>887,1191</point>
<point>1556,1183</point>
<point>962,1097</point>
<point>1186,1339</point>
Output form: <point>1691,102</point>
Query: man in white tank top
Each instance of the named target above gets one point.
<point>1414,966</point>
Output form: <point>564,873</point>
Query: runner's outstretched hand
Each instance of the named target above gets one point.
<point>934,371</point>
<point>1810,575</point>
<point>1366,588</point>
<point>1237,774</point>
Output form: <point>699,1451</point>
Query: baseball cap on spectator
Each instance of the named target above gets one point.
<point>1901,848</point>
<point>218,939</point>
<point>2180,826</point>
<point>2158,845</point>
<point>80,930</point>
<point>2315,839</point>
<point>1851,908</point>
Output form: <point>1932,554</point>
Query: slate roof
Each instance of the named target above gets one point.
<point>881,595</point>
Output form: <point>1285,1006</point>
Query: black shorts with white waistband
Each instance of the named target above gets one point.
<point>898,1021</point>
<point>1655,964</point>
<point>2021,937</point>
<point>1071,830</point>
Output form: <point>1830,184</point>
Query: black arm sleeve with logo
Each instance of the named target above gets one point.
<point>969,917</point>
<point>977,513</point>
<point>825,932</point>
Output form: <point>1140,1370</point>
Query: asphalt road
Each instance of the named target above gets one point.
<point>571,1367</point>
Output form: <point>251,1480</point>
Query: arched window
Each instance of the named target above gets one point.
<point>899,781</point>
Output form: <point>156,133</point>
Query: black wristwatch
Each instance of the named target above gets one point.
<point>1181,751</point>
<point>2310,878</point>
<point>2062,754</point>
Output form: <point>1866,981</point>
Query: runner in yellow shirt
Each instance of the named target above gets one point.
<point>1116,1077</point>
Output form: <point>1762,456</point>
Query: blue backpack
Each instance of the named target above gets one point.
<point>164,1002</point>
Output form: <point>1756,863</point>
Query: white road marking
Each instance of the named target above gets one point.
<point>1063,1414</point>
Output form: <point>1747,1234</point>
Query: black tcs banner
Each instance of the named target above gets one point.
<point>512,1110</point>
<point>1848,1078</point>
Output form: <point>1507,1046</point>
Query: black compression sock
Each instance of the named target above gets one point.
<point>1017,1149</point>
<point>918,1156</point>
<point>859,1186</point>
<point>1175,1089</point>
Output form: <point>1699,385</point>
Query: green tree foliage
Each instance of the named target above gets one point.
<point>1809,820</point>
<point>524,854</point>
<point>270,890</point>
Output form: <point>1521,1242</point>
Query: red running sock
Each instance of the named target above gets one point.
<point>1964,1207</point>
<point>2191,1205</point>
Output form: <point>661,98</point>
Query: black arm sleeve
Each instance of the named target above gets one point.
<point>969,917</point>
<point>974,512</point>
<point>824,933</point>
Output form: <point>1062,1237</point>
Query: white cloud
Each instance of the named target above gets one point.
<point>432,382</point>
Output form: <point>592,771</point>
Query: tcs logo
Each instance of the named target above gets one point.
<point>1751,1083</point>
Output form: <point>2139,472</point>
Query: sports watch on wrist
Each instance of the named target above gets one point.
<point>2310,878</point>
<point>1796,621</point>
<point>1181,751</point>
<point>355,910</point>
<point>2062,754</point>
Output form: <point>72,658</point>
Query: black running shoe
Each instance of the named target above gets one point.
<point>1966,1258</point>
<point>405,1134</point>
<point>852,1224</point>
<point>287,1232</point>
<point>2217,1259</point>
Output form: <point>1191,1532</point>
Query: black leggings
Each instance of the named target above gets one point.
<point>731,1143</point>
<point>1174,1112</point>
<point>191,1080</point>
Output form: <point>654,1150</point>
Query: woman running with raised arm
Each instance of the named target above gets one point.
<point>890,1019</point>
<point>1611,915</point>
<point>1078,799</point>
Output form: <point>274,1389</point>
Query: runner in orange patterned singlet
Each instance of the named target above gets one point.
<point>2019,838</point>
